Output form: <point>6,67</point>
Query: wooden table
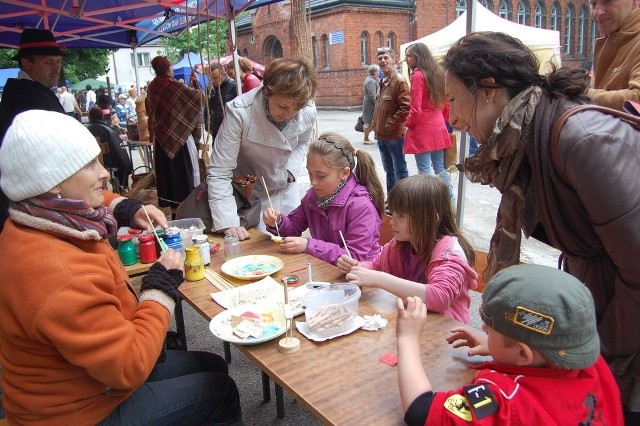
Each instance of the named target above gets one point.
<point>341,381</point>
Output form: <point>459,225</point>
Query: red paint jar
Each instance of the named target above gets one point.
<point>148,253</point>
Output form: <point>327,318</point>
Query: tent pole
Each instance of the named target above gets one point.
<point>135,67</point>
<point>464,137</point>
<point>236,66</point>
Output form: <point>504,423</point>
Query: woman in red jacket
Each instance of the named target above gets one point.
<point>427,135</point>
<point>78,346</point>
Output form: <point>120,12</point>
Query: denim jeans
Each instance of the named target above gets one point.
<point>393,162</point>
<point>425,160</point>
<point>188,388</point>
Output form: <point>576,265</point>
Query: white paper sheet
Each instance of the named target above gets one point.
<point>267,289</point>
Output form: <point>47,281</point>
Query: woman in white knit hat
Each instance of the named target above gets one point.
<point>78,347</point>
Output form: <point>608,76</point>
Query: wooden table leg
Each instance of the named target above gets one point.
<point>279,401</point>
<point>266,389</point>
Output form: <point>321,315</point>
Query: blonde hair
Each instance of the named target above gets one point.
<point>337,152</point>
<point>425,200</point>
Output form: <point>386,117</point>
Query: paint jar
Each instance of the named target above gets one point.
<point>231,247</point>
<point>173,240</point>
<point>193,265</point>
<point>135,235</point>
<point>126,250</point>
<point>148,252</point>
<point>201,242</point>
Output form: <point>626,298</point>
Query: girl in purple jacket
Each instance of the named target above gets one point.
<point>345,196</point>
<point>428,257</point>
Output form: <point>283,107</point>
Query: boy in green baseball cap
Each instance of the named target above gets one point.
<point>540,329</point>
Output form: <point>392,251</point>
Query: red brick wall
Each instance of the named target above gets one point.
<point>340,84</point>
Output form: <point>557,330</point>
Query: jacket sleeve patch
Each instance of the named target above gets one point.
<point>481,400</point>
<point>457,404</point>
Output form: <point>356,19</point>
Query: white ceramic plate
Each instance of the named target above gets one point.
<point>252,267</point>
<point>273,321</point>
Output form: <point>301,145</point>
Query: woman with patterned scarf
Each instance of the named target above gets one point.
<point>175,126</point>
<point>78,346</point>
<point>588,207</point>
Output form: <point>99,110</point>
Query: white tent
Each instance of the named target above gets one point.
<point>545,44</point>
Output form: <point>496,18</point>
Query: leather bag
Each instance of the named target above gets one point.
<point>248,207</point>
<point>359,125</point>
<point>451,153</point>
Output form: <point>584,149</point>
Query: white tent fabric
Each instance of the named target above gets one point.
<point>545,44</point>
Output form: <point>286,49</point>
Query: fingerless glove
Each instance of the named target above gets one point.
<point>167,281</point>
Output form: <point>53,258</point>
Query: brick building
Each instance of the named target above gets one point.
<point>346,33</point>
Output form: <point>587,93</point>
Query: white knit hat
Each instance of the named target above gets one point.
<point>42,149</point>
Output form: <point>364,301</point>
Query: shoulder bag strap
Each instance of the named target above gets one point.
<point>557,128</point>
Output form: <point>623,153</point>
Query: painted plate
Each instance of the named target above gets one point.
<point>252,267</point>
<point>269,315</point>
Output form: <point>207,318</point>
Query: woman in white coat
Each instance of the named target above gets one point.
<point>265,132</point>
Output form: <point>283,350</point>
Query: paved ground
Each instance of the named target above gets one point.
<point>480,204</point>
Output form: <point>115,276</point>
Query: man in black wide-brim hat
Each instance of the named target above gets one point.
<point>40,61</point>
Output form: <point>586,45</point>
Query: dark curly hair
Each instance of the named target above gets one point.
<point>511,64</point>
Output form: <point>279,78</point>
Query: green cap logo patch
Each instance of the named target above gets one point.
<point>532,320</point>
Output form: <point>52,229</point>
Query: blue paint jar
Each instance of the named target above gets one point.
<point>173,240</point>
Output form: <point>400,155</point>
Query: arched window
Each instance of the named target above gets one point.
<point>380,38</point>
<point>391,41</point>
<point>555,17</point>
<point>523,12</point>
<point>272,48</point>
<point>487,4</point>
<point>364,48</point>
<point>541,18</point>
<point>504,10</point>
<point>594,34</point>
<point>325,51</point>
<point>569,30</point>
<point>461,7</point>
<point>583,21</point>
<point>314,50</point>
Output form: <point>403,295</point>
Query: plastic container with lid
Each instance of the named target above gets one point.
<point>188,228</point>
<point>201,242</point>
<point>331,310</point>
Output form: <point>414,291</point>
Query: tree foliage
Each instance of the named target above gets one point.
<point>78,64</point>
<point>208,39</point>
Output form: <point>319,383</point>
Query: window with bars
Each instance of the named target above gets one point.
<point>568,30</point>
<point>364,48</point>
<point>555,17</point>
<point>461,7</point>
<point>583,21</point>
<point>523,12</point>
<point>540,18</point>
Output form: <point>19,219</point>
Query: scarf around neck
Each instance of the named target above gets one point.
<point>324,202</point>
<point>500,162</point>
<point>74,214</point>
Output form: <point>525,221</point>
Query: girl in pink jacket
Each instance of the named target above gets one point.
<point>428,257</point>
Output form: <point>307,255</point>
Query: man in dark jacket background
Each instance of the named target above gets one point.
<point>223,89</point>
<point>40,61</point>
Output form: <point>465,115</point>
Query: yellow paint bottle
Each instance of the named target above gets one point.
<point>193,264</point>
